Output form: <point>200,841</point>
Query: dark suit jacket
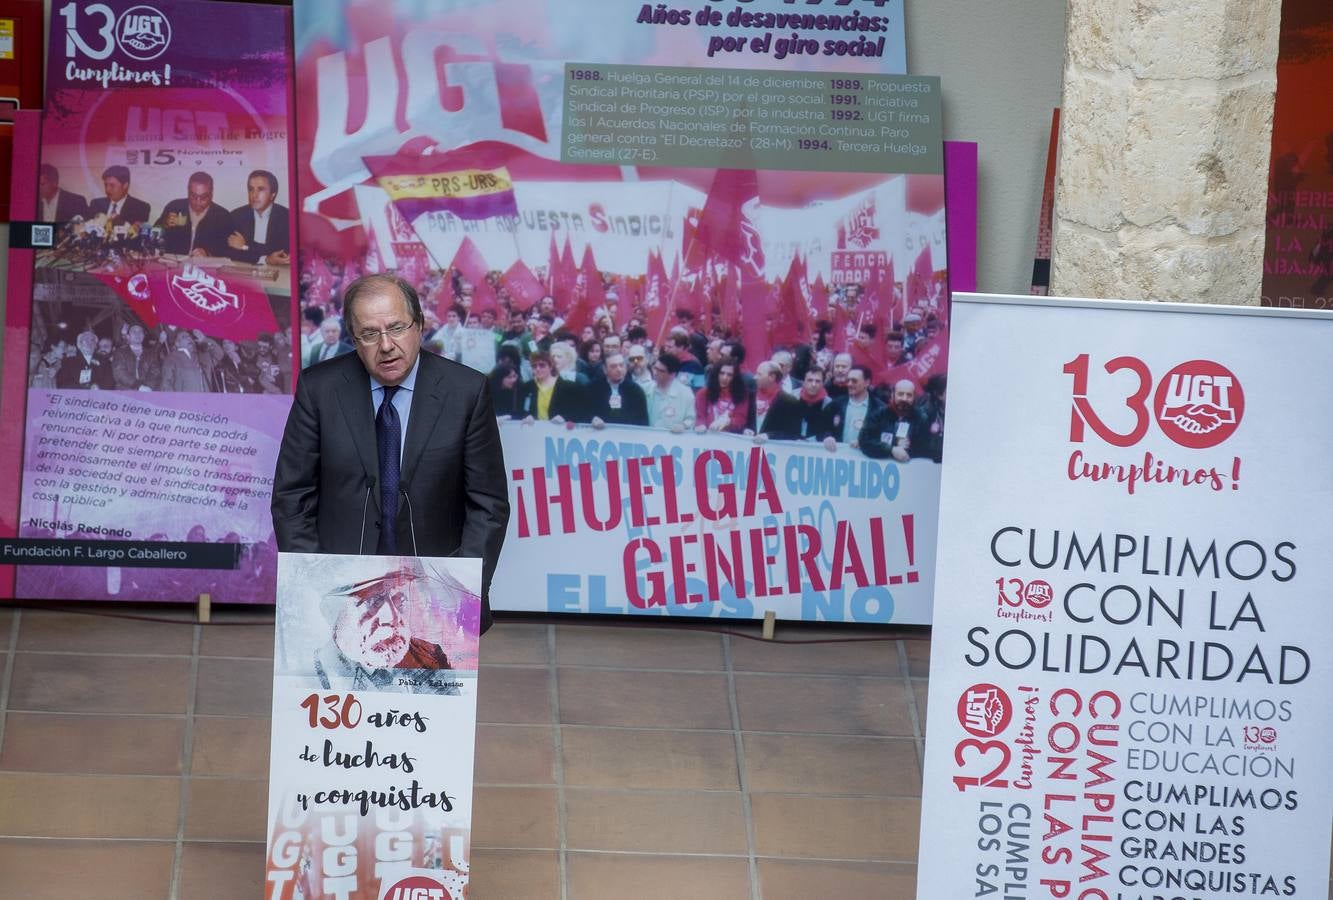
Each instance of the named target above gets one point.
<point>243,220</point>
<point>841,427</point>
<point>313,357</point>
<point>452,470</point>
<point>784,418</point>
<point>131,210</point>
<point>566,402</point>
<point>71,367</point>
<point>69,205</point>
<point>212,233</point>
<point>633,403</point>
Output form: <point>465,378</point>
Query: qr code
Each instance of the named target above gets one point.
<point>43,235</point>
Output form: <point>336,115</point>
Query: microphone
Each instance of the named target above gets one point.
<point>365,506</point>
<point>412,526</point>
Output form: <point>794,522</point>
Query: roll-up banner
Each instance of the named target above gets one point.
<point>700,181</point>
<point>1130,661</point>
<point>158,313</point>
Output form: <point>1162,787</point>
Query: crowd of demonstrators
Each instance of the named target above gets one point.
<point>610,366</point>
<point>165,358</point>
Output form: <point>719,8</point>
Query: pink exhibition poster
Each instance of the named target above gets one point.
<point>158,361</point>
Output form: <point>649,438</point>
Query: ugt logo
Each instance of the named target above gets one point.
<point>143,33</point>
<point>1198,404</point>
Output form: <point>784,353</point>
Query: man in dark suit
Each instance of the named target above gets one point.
<point>118,204</point>
<point>617,400</point>
<point>259,229</point>
<point>195,225</point>
<point>777,414</point>
<point>406,438</point>
<point>853,409</point>
<point>84,371</point>
<point>57,204</point>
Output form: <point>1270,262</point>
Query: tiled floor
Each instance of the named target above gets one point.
<point>612,762</point>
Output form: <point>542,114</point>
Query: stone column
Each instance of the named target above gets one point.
<point>1166,122</point>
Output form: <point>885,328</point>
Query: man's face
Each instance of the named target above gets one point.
<point>184,341</point>
<point>615,368</point>
<point>903,396</point>
<point>610,345</point>
<point>541,370</point>
<point>842,364</point>
<point>766,377</point>
<point>856,383</point>
<point>116,190</point>
<point>47,186</point>
<point>105,346</point>
<point>201,197</point>
<point>516,322</point>
<point>488,319</point>
<point>330,332</point>
<point>714,352</point>
<point>813,384</point>
<point>539,328</point>
<point>784,362</point>
<point>388,359</point>
<point>547,306</point>
<point>373,630</point>
<point>451,319</point>
<point>259,193</point>
<point>637,361</point>
<point>135,336</point>
<point>662,375</point>
<point>895,349</point>
<point>87,343</point>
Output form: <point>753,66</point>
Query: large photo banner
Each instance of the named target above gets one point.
<point>159,363</point>
<point>1298,251</point>
<point>689,227</point>
<point>374,723</point>
<point>1130,663</point>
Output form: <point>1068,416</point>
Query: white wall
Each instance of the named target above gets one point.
<point>1000,62</point>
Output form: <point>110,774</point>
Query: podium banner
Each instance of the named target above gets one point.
<point>374,723</point>
<point>1128,686</point>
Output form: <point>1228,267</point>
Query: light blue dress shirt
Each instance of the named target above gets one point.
<point>402,401</point>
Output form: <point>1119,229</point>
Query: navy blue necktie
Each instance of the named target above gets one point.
<point>390,436</point>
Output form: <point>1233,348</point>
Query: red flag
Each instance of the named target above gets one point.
<point>588,294</point>
<point>374,260</point>
<point>552,265</point>
<point>726,228</point>
<point>472,265</point>
<point>522,285</point>
<point>918,283</point>
<point>656,294</point>
<point>791,320</point>
<point>191,297</point>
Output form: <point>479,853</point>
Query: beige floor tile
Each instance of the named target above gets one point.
<point>614,876</point>
<point>920,688</point>
<point>43,742</point>
<point>515,818</point>
<point>215,871</point>
<point>107,870</point>
<point>516,643</point>
<point>235,748</point>
<point>655,821</point>
<point>865,657</point>
<point>82,633</point>
<point>101,684</point>
<point>800,703</point>
<point>227,809</point>
<point>237,640</point>
<point>635,646</point>
<point>818,764</point>
<point>800,880</point>
<point>517,874</point>
<point>515,695</point>
<point>515,754</point>
<point>643,699</point>
<point>861,828</point>
<point>679,760</point>
<point>918,658</point>
<point>100,806</point>
<point>234,687</point>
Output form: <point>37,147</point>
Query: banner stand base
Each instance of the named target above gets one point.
<point>204,607</point>
<point>770,623</point>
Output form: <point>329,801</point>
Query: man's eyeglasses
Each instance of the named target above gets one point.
<point>371,338</point>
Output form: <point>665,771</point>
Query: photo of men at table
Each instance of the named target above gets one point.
<point>256,232</point>
<point>874,387</point>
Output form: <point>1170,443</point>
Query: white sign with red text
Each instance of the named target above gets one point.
<point>1131,644</point>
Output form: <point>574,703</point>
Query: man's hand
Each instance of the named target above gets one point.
<point>144,387</point>
<point>761,438</point>
<point>236,241</point>
<point>899,454</point>
<point>700,429</point>
<point>278,258</point>
<point>176,220</point>
<point>527,420</point>
<point>198,251</point>
<point>830,445</point>
<point>557,420</point>
<point>597,422</point>
<point>677,428</point>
